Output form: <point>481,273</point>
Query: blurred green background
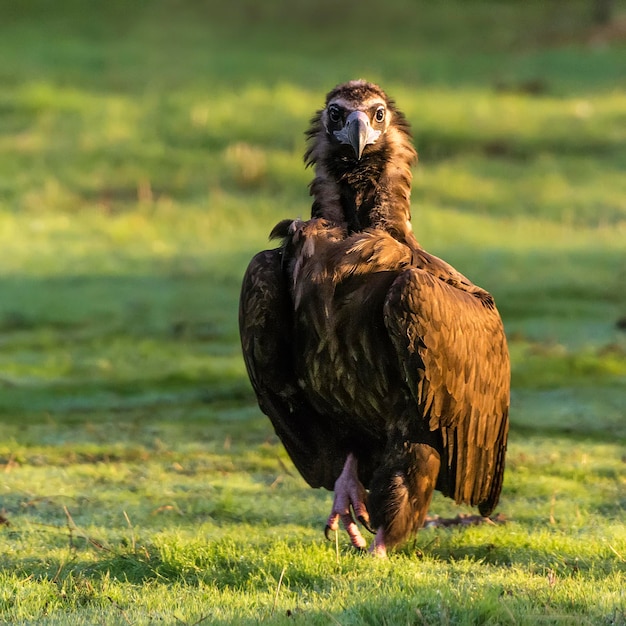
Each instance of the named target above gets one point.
<point>147,149</point>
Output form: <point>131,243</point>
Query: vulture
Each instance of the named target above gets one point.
<point>384,371</point>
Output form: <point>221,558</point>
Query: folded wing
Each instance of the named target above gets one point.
<point>452,350</point>
<point>311,439</point>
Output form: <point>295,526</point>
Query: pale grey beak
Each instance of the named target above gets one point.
<point>357,132</point>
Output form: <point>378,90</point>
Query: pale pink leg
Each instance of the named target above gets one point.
<point>378,547</point>
<point>349,492</point>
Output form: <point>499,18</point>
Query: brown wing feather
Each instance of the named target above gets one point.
<point>265,322</point>
<point>452,349</point>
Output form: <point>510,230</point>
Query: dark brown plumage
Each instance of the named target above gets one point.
<point>381,367</point>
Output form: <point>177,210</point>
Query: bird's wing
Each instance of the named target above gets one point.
<point>452,351</point>
<point>265,323</point>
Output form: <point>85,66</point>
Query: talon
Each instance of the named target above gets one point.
<point>365,523</point>
<point>326,531</point>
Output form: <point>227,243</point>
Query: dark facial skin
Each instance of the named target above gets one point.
<point>356,127</point>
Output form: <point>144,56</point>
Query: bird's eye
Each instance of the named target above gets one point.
<point>379,116</point>
<point>334,114</point>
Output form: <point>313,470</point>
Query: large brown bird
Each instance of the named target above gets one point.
<point>384,371</point>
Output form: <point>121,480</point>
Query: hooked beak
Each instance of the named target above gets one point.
<point>357,132</point>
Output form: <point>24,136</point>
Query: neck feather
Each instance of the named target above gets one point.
<point>376,193</point>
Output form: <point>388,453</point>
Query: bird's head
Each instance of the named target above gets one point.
<point>356,115</point>
<point>355,122</point>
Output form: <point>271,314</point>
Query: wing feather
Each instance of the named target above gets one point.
<point>452,350</point>
<point>313,442</point>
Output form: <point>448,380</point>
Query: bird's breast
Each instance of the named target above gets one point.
<point>343,352</point>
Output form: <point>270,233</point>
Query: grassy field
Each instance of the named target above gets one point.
<point>146,151</point>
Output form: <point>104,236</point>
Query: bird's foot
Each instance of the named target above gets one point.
<point>350,496</point>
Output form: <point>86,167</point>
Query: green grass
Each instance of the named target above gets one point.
<point>146,151</point>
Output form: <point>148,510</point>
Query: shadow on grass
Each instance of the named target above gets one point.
<point>438,144</point>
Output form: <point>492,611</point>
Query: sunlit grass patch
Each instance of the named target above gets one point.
<point>223,533</point>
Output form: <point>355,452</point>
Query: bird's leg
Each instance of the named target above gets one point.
<point>400,494</point>
<point>350,495</point>
<point>378,547</point>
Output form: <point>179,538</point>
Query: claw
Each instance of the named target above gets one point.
<point>365,523</point>
<point>326,531</point>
